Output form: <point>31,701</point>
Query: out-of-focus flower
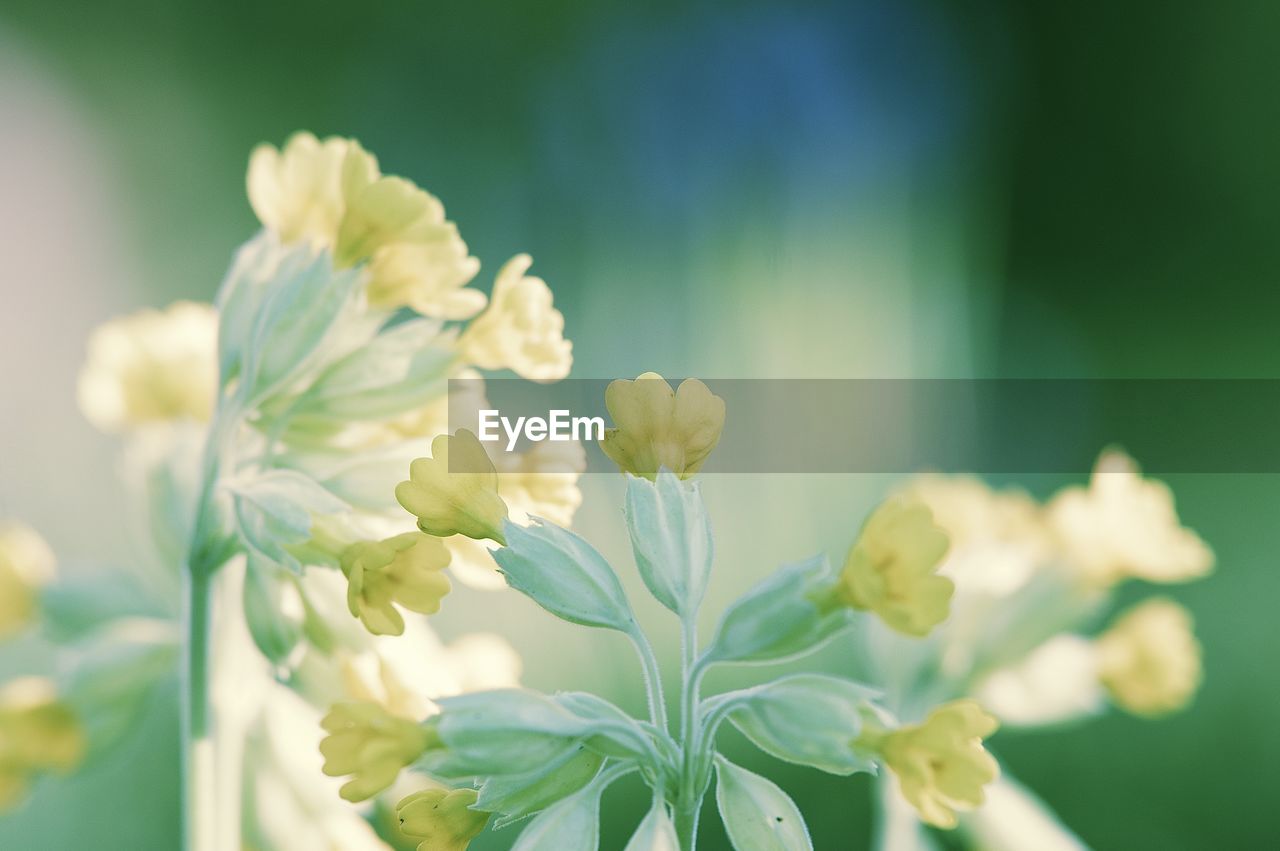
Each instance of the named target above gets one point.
<point>332,194</point>
<point>441,818</point>
<point>38,734</point>
<point>447,503</point>
<point>1056,682</point>
<point>521,330</point>
<point>940,764</point>
<point>1149,660</point>
<point>371,745</point>
<point>152,366</point>
<point>1124,526</point>
<point>657,428</point>
<point>405,570</point>
<point>26,563</point>
<point>543,481</point>
<point>891,568</point>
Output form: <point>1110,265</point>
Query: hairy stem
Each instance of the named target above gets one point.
<point>199,798</point>
<point>688,804</point>
<point>652,679</point>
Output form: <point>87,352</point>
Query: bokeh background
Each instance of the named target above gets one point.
<point>756,189</point>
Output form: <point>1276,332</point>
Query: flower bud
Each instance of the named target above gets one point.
<point>38,734</point>
<point>441,818</point>
<point>406,570</point>
<point>1149,660</point>
<point>26,563</point>
<point>656,427</point>
<point>455,503</point>
<point>891,568</point>
<point>370,744</point>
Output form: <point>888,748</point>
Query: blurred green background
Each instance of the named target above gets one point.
<point>759,189</point>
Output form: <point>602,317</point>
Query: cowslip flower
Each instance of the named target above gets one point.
<point>152,366</point>
<point>940,764</point>
<point>1124,526</point>
<point>369,744</point>
<point>38,734</point>
<point>447,503</point>
<point>26,563</point>
<point>405,570</point>
<point>521,330</point>
<point>332,194</point>
<point>892,568</point>
<point>441,818</point>
<point>1149,660</point>
<point>656,427</point>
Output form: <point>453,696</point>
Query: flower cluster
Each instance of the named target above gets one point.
<point>501,756</point>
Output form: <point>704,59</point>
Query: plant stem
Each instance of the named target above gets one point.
<point>689,800</point>
<point>199,798</point>
<point>652,679</point>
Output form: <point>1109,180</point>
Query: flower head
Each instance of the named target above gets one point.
<point>1149,660</point>
<point>38,734</point>
<point>940,764</point>
<point>446,502</point>
<point>657,427</point>
<point>152,366</point>
<point>370,744</point>
<point>1124,526</point>
<point>405,570</point>
<point>521,330</point>
<point>332,194</point>
<point>891,568</point>
<point>26,563</point>
<point>441,818</point>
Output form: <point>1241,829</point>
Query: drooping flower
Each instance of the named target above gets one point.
<point>656,427</point>
<point>371,745</point>
<point>941,764</point>
<point>1149,660</point>
<point>455,491</point>
<point>441,818</point>
<point>39,734</point>
<point>332,194</point>
<point>521,330</point>
<point>405,570</point>
<point>1124,526</point>
<point>892,568</point>
<point>26,563</point>
<point>150,367</point>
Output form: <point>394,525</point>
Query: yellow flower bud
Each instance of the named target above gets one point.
<point>38,734</point>
<point>333,195</point>
<point>521,330</point>
<point>152,366</point>
<point>660,428</point>
<point>370,744</point>
<point>1124,526</point>
<point>940,764</point>
<point>455,503</point>
<point>891,568</point>
<point>405,570</point>
<point>441,818</point>
<point>26,563</point>
<point>1149,660</point>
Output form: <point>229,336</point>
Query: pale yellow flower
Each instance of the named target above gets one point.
<point>656,427</point>
<point>332,194</point>
<point>441,818</point>
<point>543,481</point>
<point>447,503</point>
<point>941,764</point>
<point>26,563</point>
<point>38,734</point>
<point>371,745</point>
<point>1149,660</point>
<point>892,568</point>
<point>1124,526</point>
<point>152,366</point>
<point>406,570</point>
<point>521,330</point>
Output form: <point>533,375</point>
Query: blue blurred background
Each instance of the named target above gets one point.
<point>756,189</point>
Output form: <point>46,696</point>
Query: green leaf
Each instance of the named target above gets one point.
<point>273,510</point>
<point>671,538</point>
<point>807,719</point>
<point>504,732</point>
<point>565,575</point>
<point>655,833</point>
<point>513,797</point>
<point>757,815</point>
<point>273,609</point>
<point>571,825</point>
<point>614,733</point>
<point>778,618</point>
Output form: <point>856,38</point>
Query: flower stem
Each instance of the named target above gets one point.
<point>199,798</point>
<point>688,804</point>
